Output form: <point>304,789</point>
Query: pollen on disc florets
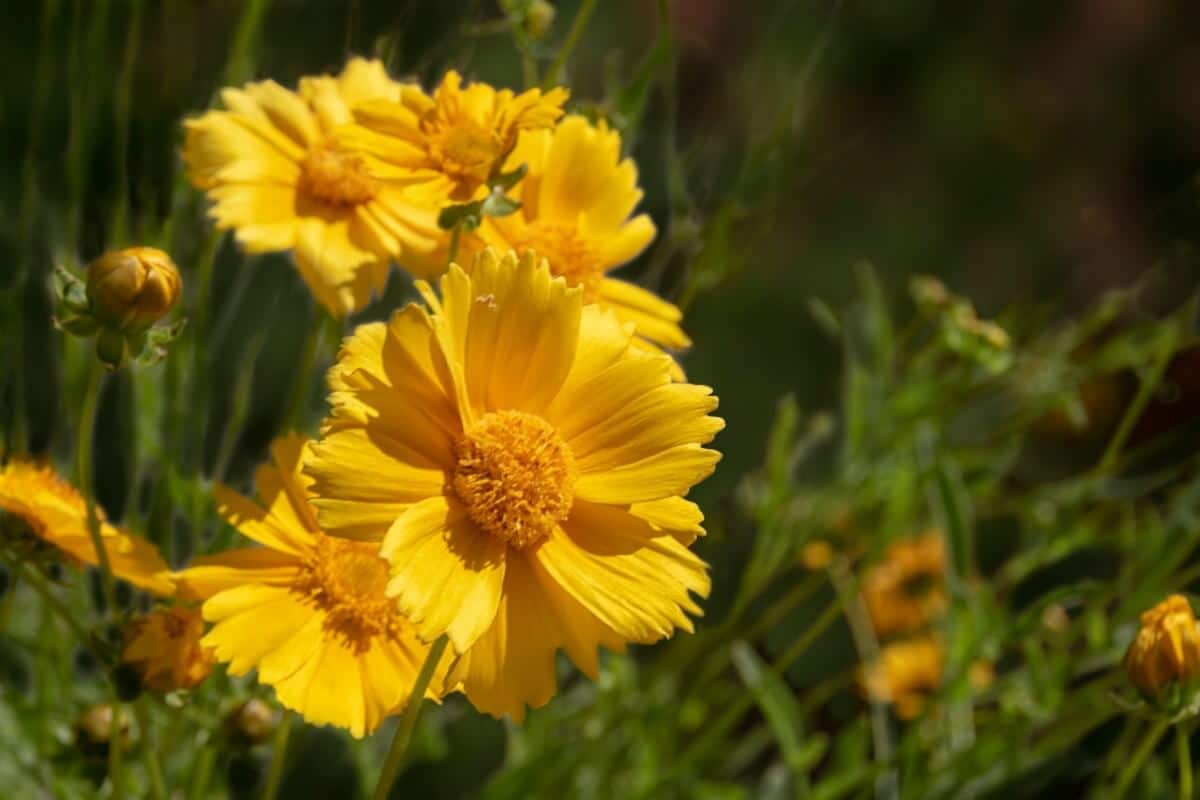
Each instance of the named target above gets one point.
<point>570,256</point>
<point>515,475</point>
<point>337,178</point>
<point>348,581</point>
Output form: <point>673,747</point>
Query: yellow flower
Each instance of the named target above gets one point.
<point>907,672</point>
<point>906,589</point>
<point>308,611</point>
<point>279,176</point>
<point>576,212</point>
<point>164,648</point>
<point>524,467</point>
<point>134,287</point>
<point>57,514</point>
<point>1166,651</point>
<point>454,142</point>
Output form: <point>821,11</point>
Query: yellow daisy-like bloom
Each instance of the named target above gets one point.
<point>57,514</point>
<point>907,672</point>
<point>164,649</point>
<point>1166,650</point>
<point>524,466</point>
<point>280,177</point>
<point>307,610</point>
<point>454,142</point>
<point>576,211</point>
<point>907,588</point>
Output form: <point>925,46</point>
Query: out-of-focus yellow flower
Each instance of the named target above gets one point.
<point>906,589</point>
<point>307,611</point>
<point>133,288</point>
<point>817,555</point>
<point>577,205</point>
<point>523,466</point>
<point>57,514</point>
<point>250,722</point>
<point>280,176</point>
<point>1165,655</point>
<point>453,143</point>
<point>164,648</point>
<point>907,672</point>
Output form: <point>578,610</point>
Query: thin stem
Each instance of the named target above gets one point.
<point>455,236</point>
<point>1139,757</point>
<point>867,645</point>
<point>586,7</point>
<point>278,756</point>
<point>158,788</point>
<point>83,453</point>
<point>115,751</point>
<point>1183,749</point>
<point>1146,389</point>
<point>408,722</point>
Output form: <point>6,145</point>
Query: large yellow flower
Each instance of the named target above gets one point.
<point>57,514</point>
<point>576,211</point>
<point>454,142</point>
<point>524,467</point>
<point>307,610</point>
<point>279,176</point>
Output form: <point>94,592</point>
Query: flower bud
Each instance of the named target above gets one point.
<point>538,19</point>
<point>251,722</point>
<point>1163,659</point>
<point>164,648</point>
<point>94,730</point>
<point>132,288</point>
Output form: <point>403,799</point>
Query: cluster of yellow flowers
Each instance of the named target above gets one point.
<point>504,466</point>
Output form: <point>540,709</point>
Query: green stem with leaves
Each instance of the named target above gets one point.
<point>408,722</point>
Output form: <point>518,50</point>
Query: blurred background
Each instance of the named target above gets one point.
<point>1023,152</point>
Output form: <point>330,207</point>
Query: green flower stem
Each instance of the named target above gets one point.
<point>586,7</point>
<point>158,788</point>
<point>408,722</point>
<point>1146,389</point>
<point>115,751</point>
<point>455,236</point>
<point>278,756</point>
<point>83,467</point>
<point>1139,757</point>
<point>1183,749</point>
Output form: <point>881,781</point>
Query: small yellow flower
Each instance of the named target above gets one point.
<point>133,288</point>
<point>907,589</point>
<point>56,513</point>
<point>1165,654</point>
<point>306,610</point>
<point>577,212</point>
<point>907,672</point>
<point>454,142</point>
<point>164,649</point>
<point>524,467</point>
<point>280,176</point>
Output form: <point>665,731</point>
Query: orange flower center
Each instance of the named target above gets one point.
<point>516,476</point>
<point>336,177</point>
<point>569,254</point>
<point>346,580</point>
<point>464,150</point>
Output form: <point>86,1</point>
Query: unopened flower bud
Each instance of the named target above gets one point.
<point>251,722</point>
<point>132,288</point>
<point>164,648</point>
<point>1163,661</point>
<point>538,18</point>
<point>94,730</point>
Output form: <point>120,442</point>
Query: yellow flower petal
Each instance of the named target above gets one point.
<point>362,483</point>
<point>670,472</point>
<point>447,575</point>
<point>241,635</point>
<point>682,518</point>
<point>630,576</point>
<point>655,319</point>
<point>208,575</point>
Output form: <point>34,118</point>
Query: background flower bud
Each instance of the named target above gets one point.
<point>251,722</point>
<point>1166,651</point>
<point>133,288</point>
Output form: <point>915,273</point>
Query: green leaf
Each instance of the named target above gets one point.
<point>779,706</point>
<point>498,204</point>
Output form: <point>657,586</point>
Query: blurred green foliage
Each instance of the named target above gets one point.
<point>1038,160</point>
